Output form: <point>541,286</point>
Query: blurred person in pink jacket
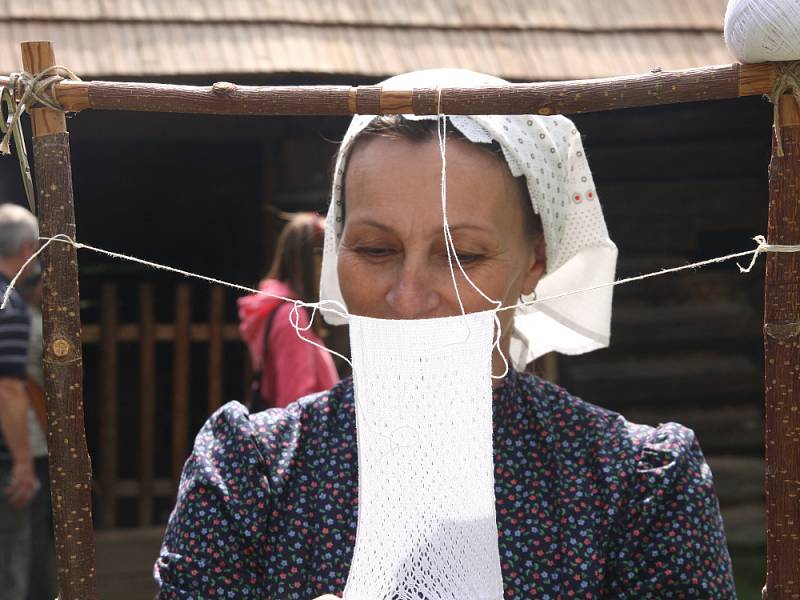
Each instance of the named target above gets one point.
<point>287,368</point>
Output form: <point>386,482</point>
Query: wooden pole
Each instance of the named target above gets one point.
<point>567,97</point>
<point>70,468</point>
<point>782,364</point>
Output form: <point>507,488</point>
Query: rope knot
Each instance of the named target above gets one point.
<point>787,80</point>
<point>25,91</point>
<point>40,89</point>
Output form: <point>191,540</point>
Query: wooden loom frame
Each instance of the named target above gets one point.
<point>70,468</point>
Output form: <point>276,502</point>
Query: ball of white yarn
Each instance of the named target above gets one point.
<point>763,30</point>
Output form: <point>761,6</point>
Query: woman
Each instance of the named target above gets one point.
<point>587,504</point>
<point>287,368</point>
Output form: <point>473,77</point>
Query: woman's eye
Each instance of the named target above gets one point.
<point>467,258</point>
<point>374,251</point>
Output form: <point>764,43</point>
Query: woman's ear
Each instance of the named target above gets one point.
<point>537,268</point>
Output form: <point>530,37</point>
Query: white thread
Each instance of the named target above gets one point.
<point>763,247</point>
<point>442,138</point>
<point>24,266</point>
<point>294,321</point>
<point>441,132</point>
<point>293,315</point>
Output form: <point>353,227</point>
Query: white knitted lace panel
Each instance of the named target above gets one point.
<point>426,506</point>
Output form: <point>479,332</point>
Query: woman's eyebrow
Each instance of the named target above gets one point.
<point>371,223</point>
<point>469,226</point>
<point>462,227</point>
<point>367,222</point>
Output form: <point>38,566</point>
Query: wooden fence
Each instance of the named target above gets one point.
<point>181,333</point>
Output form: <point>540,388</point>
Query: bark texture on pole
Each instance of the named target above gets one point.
<point>650,89</point>
<point>70,468</point>
<point>543,98</point>
<point>782,362</point>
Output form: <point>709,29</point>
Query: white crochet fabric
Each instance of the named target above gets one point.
<point>548,151</point>
<point>763,30</point>
<point>426,506</point>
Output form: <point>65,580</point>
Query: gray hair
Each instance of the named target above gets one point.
<point>18,226</point>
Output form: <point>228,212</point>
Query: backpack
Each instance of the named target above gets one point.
<point>258,400</point>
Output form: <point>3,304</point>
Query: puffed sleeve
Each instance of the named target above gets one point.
<point>216,536</point>
<point>670,541</point>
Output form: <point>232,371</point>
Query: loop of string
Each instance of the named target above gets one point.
<point>11,127</point>
<point>787,79</point>
<point>338,309</point>
<point>294,321</point>
<point>41,88</point>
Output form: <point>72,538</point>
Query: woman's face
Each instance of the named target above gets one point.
<point>393,261</point>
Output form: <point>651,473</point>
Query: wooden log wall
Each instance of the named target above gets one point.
<point>681,184</point>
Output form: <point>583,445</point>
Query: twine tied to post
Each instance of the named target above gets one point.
<point>25,91</point>
<point>787,79</point>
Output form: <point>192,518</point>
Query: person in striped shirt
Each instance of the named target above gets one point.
<point>19,238</point>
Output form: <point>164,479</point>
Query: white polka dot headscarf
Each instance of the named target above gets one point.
<point>548,151</point>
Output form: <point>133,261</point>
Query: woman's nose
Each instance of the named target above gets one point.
<point>411,295</point>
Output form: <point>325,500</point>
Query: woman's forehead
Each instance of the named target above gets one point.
<point>400,175</point>
<point>395,166</point>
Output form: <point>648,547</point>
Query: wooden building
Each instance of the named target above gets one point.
<point>677,183</point>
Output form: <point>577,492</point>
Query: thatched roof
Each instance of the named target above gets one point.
<point>516,39</point>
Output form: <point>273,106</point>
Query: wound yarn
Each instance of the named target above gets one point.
<point>763,30</point>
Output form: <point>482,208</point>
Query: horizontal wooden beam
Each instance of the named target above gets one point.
<point>132,488</point>
<point>131,332</point>
<point>565,97</point>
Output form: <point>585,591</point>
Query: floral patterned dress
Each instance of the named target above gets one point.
<point>588,504</point>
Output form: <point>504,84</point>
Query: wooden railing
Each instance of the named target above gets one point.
<point>109,333</point>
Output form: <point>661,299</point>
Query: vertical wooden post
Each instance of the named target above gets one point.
<point>70,467</point>
<point>216,320</point>
<point>782,364</point>
<point>180,380</point>
<point>109,425</point>
<point>147,409</point>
